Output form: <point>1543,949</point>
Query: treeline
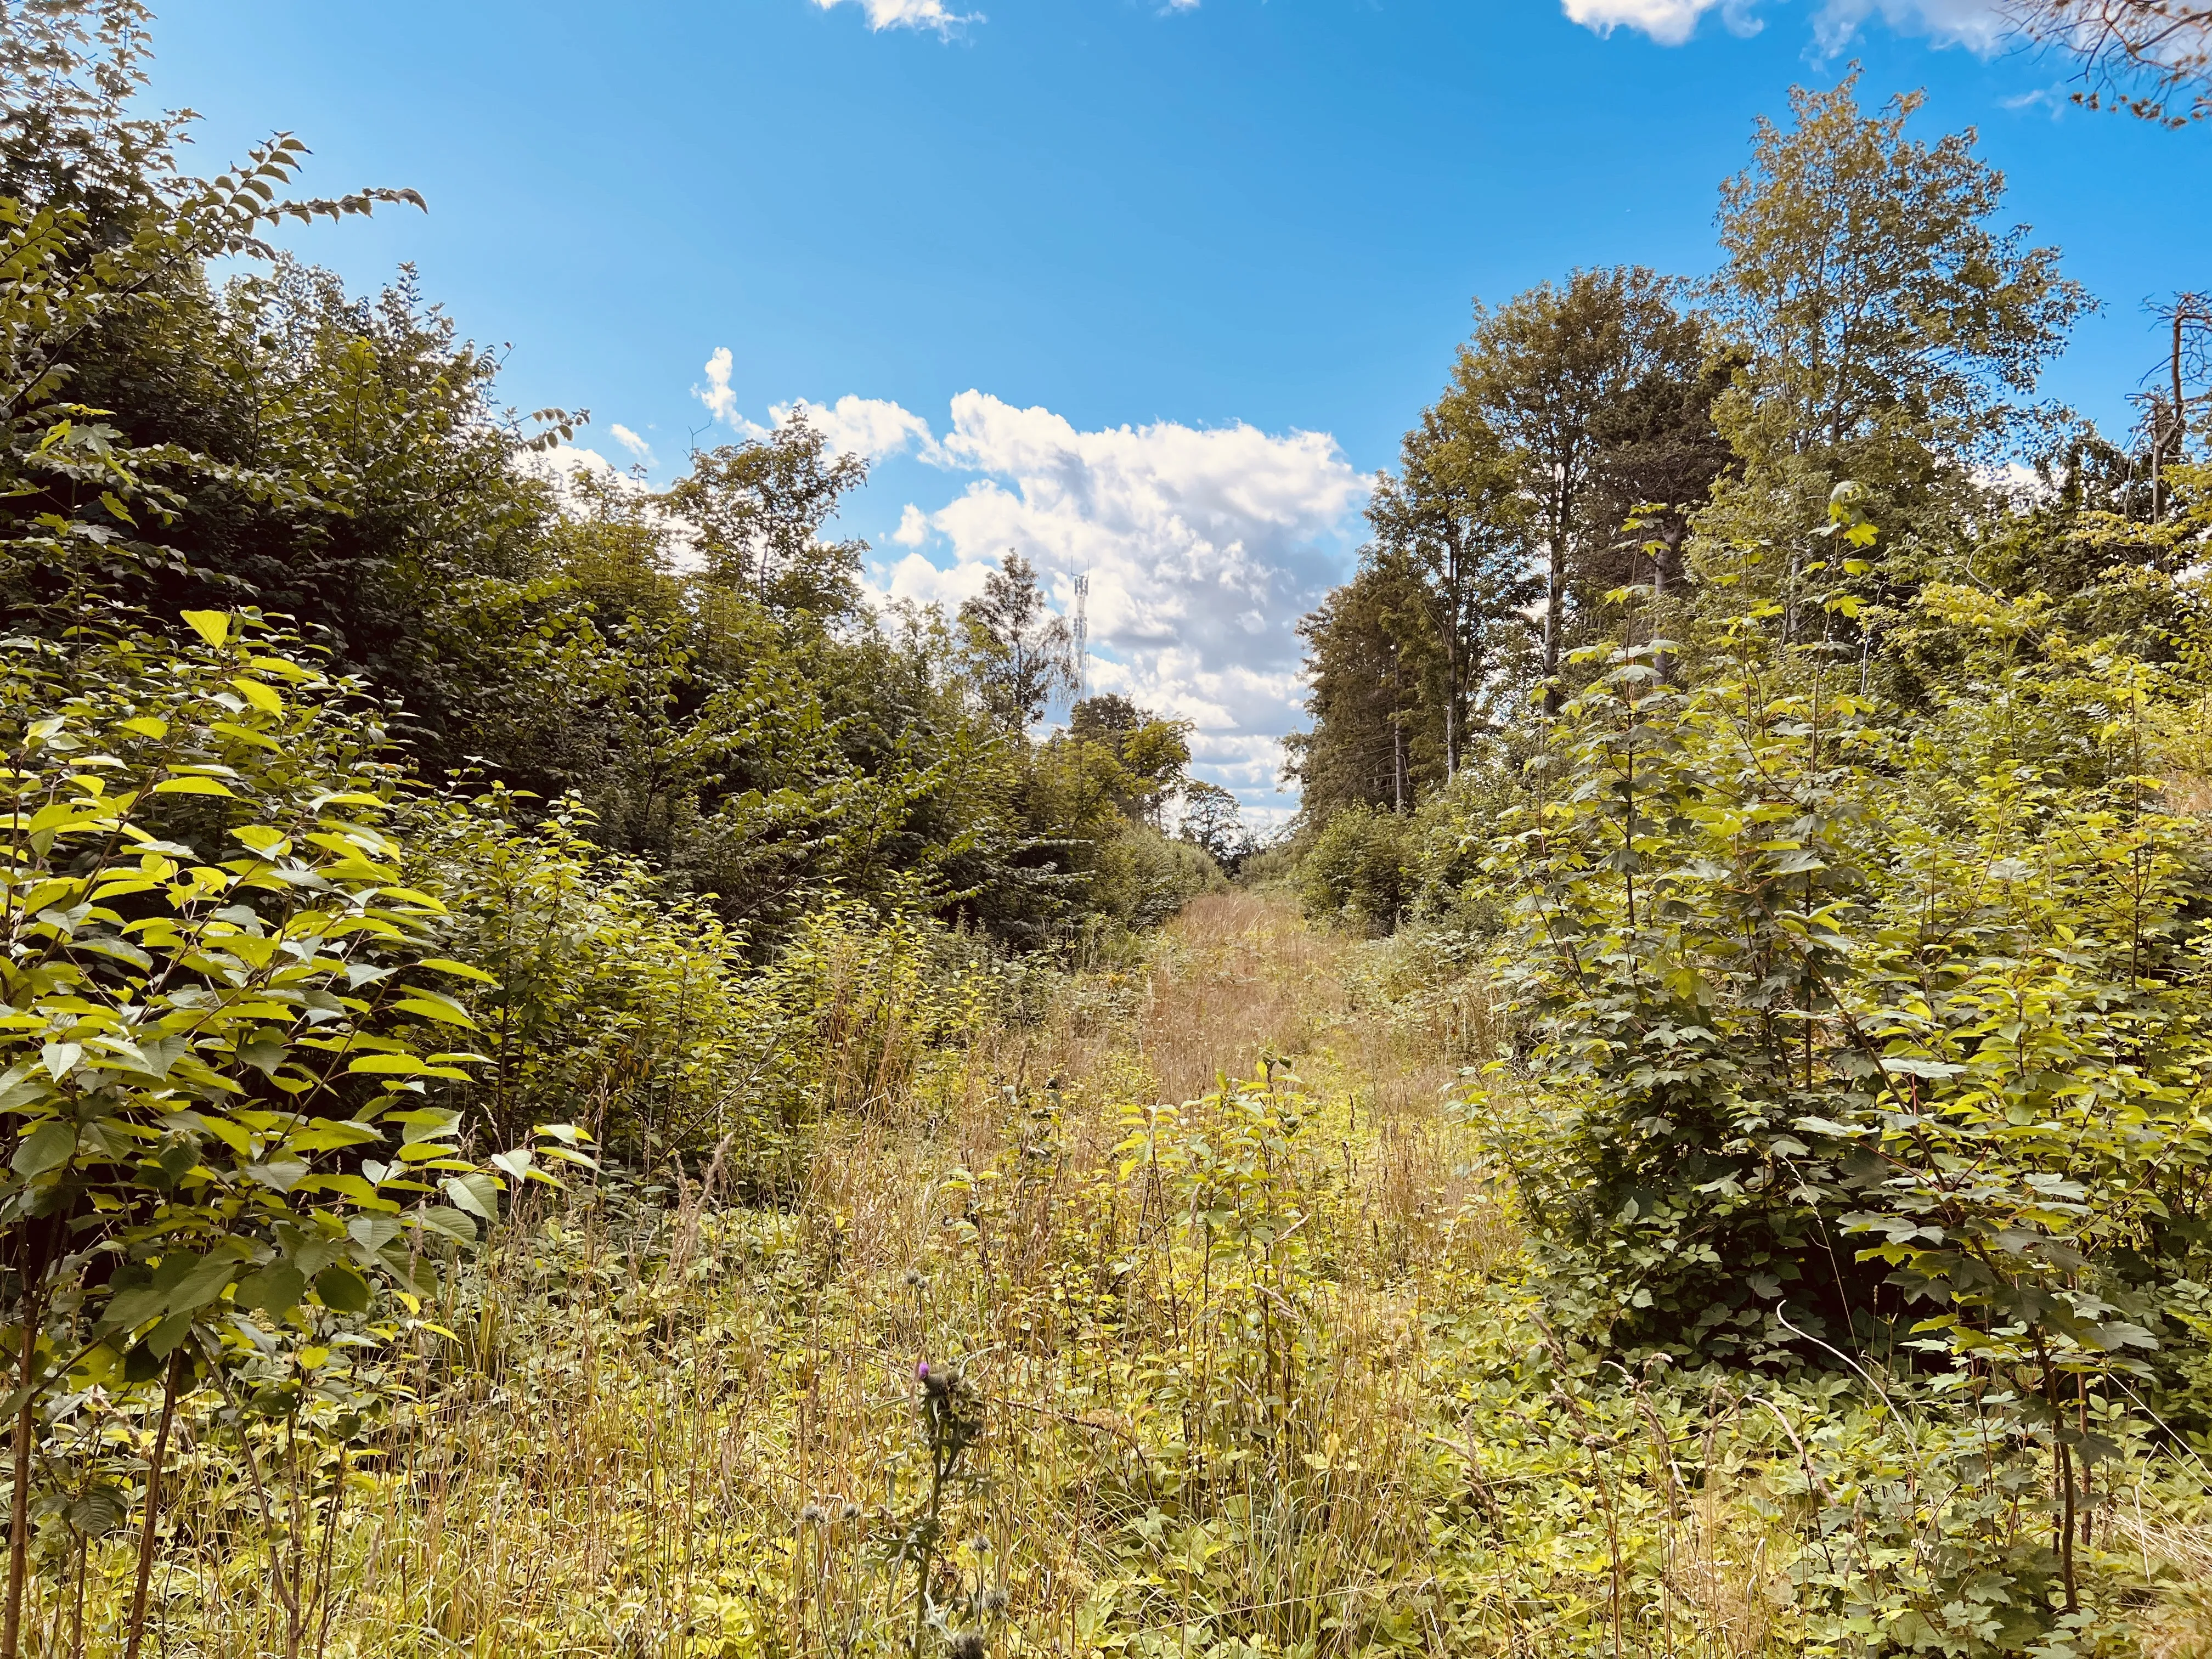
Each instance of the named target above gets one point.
<point>695,668</point>
<point>1872,329</point>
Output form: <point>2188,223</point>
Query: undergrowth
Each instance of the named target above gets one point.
<point>1255,1372</point>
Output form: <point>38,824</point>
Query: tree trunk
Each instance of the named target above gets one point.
<point>1554,621</point>
<point>19,1510</point>
<point>137,1627</point>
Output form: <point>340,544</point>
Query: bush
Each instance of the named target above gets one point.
<point>631,1006</point>
<point>228,1041</point>
<point>1359,872</point>
<point>1270,866</point>
<point>638,1009</point>
<point>1143,877</point>
<point>1901,1030</point>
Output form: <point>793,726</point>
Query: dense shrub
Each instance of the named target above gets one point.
<point>230,1054</point>
<point>1143,876</point>
<point>1359,871</point>
<point>1900,1028</point>
<point>639,1010</point>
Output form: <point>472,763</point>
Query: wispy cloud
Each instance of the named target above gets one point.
<point>2054,98</point>
<point>908,15</point>
<point>628,439</point>
<point>1978,24</point>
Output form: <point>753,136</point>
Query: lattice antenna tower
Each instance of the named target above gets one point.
<point>1082,629</point>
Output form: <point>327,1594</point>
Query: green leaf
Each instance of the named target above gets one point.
<point>276,1289</point>
<point>270,843</point>
<point>341,1289</point>
<point>451,1223</point>
<point>388,1065</point>
<point>372,1233</point>
<point>202,1285</point>
<point>99,1511</point>
<point>213,626</point>
<point>127,1310</point>
<point>49,1146</point>
<point>478,1195</point>
<point>278,1175</point>
<point>192,785</point>
<point>262,698</point>
<point>430,1006</point>
<point>459,970</point>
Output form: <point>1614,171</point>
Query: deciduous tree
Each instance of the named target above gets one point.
<point>757,510</point>
<point>1878,306</point>
<point>1021,650</point>
<point>1589,386</point>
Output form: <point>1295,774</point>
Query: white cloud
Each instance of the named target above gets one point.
<point>721,402</point>
<point>915,578</point>
<point>1670,22</point>
<point>1978,24</point>
<point>1204,547</point>
<point>2053,99</point>
<point>559,465</point>
<point>629,441</point>
<point>908,15</point>
<point>870,427</point>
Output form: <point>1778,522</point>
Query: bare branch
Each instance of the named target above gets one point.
<point>2149,57</point>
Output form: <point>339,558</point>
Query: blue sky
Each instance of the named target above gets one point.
<point>1141,289</point>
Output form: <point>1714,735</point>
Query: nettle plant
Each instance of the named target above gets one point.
<point>226,1053</point>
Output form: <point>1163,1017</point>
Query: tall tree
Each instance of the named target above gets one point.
<point>1659,453</point>
<point>1876,304</point>
<point>1211,819</point>
<point>1148,750</point>
<point>1554,374</point>
<point>1369,654</point>
<point>1455,516</point>
<point>1022,653</point>
<point>757,510</point>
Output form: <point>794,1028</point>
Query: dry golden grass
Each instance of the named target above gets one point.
<point>692,1433</point>
<point>1239,1358</point>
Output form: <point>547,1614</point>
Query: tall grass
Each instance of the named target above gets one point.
<point>1240,1296</point>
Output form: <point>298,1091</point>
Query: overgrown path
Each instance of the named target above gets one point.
<point>1186,1319</point>
<point>1183,1329</point>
